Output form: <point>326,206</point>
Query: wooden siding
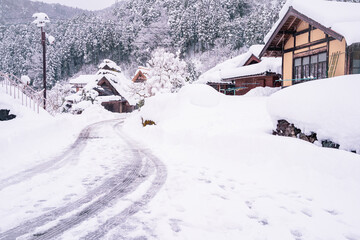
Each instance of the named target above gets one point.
<point>287,68</point>
<point>337,46</point>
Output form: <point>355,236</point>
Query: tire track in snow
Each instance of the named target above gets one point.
<point>55,163</point>
<point>123,183</point>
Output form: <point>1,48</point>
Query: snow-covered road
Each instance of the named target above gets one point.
<point>86,191</point>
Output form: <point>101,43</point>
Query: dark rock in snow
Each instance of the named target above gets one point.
<point>5,116</point>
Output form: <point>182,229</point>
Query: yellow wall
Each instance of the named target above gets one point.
<point>302,26</point>
<point>287,68</point>
<point>316,34</point>
<point>289,43</point>
<point>335,46</point>
<point>302,39</point>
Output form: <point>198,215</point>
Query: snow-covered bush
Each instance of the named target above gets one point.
<point>167,73</point>
<point>56,97</point>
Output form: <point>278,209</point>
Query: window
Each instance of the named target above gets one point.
<point>309,67</point>
<point>355,62</point>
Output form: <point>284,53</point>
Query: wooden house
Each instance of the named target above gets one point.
<point>111,97</point>
<point>240,74</point>
<point>265,73</point>
<point>141,75</point>
<point>317,39</point>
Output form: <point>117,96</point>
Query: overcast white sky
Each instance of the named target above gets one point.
<point>84,4</point>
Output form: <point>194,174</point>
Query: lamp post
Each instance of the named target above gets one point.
<point>40,20</point>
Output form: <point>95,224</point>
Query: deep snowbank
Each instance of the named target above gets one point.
<point>329,107</point>
<point>228,177</point>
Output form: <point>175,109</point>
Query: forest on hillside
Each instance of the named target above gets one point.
<point>202,31</point>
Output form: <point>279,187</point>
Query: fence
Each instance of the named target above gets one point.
<point>24,93</point>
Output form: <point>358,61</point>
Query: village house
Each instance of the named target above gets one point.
<point>110,85</point>
<point>239,75</point>
<point>317,39</point>
<point>141,75</point>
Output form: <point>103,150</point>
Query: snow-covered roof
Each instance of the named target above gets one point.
<point>83,79</point>
<point>341,17</point>
<point>120,83</point>
<point>266,65</point>
<point>110,64</point>
<point>215,73</point>
<point>143,70</point>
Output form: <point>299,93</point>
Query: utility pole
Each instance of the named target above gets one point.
<point>40,20</point>
<point>43,41</point>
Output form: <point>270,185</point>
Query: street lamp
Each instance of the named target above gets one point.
<point>40,20</point>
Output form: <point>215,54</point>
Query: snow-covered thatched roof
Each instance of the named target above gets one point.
<point>109,65</point>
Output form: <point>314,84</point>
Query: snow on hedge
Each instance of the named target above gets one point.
<point>329,107</point>
<point>262,91</point>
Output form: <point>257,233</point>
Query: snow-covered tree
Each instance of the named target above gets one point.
<point>168,72</point>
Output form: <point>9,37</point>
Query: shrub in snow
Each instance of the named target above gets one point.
<point>56,97</point>
<point>147,122</point>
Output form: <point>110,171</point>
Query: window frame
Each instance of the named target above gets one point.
<point>305,70</point>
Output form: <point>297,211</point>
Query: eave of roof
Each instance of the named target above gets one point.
<point>293,12</point>
<point>263,74</point>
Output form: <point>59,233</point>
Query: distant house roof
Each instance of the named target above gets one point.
<point>117,82</point>
<point>266,66</point>
<point>214,75</point>
<point>141,74</point>
<point>107,64</point>
<point>337,19</point>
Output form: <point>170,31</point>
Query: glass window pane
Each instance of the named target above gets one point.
<point>314,59</point>
<point>322,57</point>
<point>313,71</point>
<point>297,61</point>
<point>356,62</point>
<point>305,60</point>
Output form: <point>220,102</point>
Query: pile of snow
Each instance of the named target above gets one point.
<point>262,91</point>
<point>342,17</point>
<point>25,79</point>
<point>266,65</point>
<point>329,107</point>
<point>216,73</point>
<point>40,19</point>
<point>230,178</point>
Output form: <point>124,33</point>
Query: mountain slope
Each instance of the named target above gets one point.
<point>21,11</point>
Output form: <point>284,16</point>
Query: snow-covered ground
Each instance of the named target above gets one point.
<point>227,176</point>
